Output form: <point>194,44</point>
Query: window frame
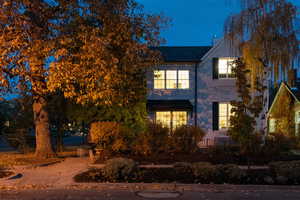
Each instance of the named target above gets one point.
<point>227,116</point>
<point>177,80</point>
<point>171,125</point>
<point>227,74</point>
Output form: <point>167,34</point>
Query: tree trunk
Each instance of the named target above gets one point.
<point>42,130</point>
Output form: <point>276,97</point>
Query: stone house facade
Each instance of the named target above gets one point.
<point>194,86</point>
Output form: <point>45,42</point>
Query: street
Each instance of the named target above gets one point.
<point>285,193</point>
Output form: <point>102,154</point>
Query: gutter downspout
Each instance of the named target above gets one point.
<point>196,95</point>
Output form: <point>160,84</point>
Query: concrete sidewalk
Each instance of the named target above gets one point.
<point>155,191</point>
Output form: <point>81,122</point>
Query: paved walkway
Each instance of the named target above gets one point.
<point>52,176</point>
<point>55,182</point>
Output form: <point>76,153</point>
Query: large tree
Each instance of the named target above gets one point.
<point>266,35</point>
<point>92,50</point>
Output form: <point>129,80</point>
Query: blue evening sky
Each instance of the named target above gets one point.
<point>194,22</point>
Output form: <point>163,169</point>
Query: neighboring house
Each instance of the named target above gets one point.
<point>284,113</point>
<point>194,86</point>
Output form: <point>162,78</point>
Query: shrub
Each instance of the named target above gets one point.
<point>186,137</point>
<point>222,154</point>
<point>153,141</point>
<point>108,135</point>
<point>289,170</point>
<point>119,169</point>
<point>92,175</point>
<point>183,172</point>
<point>230,173</point>
<point>277,143</point>
<point>204,172</point>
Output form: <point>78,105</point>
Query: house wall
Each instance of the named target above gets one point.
<point>172,94</point>
<point>213,90</point>
<point>209,90</point>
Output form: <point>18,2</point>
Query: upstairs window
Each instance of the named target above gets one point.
<point>159,79</point>
<point>222,68</point>
<point>183,79</point>
<point>171,79</point>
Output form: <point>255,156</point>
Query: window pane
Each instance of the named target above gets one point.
<point>222,122</point>
<point>183,79</point>
<point>224,115</point>
<point>223,109</point>
<point>159,74</point>
<point>179,118</point>
<point>225,67</point>
<point>183,84</point>
<point>164,118</point>
<point>272,125</point>
<point>183,74</point>
<point>222,66</point>
<point>171,84</point>
<point>159,79</point>
<point>159,84</point>
<point>171,74</point>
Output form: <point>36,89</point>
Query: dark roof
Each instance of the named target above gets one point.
<point>295,90</point>
<point>169,105</point>
<point>182,53</point>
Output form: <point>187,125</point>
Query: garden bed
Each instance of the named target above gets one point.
<point>215,156</point>
<point>126,170</point>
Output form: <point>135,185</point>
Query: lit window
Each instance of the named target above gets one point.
<point>164,118</point>
<point>225,67</point>
<point>183,79</point>
<point>272,125</point>
<point>224,115</point>
<point>159,79</point>
<point>179,118</point>
<point>171,119</point>
<point>171,79</point>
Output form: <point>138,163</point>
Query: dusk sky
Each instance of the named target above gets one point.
<point>194,22</point>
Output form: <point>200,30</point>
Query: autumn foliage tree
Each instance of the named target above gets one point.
<point>91,50</point>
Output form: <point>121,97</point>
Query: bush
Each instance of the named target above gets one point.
<point>183,172</point>
<point>186,137</point>
<point>230,173</point>
<point>153,141</point>
<point>109,136</point>
<point>221,154</point>
<point>93,175</point>
<point>277,143</point>
<point>286,170</point>
<point>204,172</point>
<point>119,169</point>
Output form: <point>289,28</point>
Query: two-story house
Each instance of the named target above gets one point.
<point>194,86</point>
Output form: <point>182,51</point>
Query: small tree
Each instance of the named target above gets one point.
<point>246,110</point>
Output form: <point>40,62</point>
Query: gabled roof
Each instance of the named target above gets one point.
<point>182,53</point>
<point>295,92</point>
